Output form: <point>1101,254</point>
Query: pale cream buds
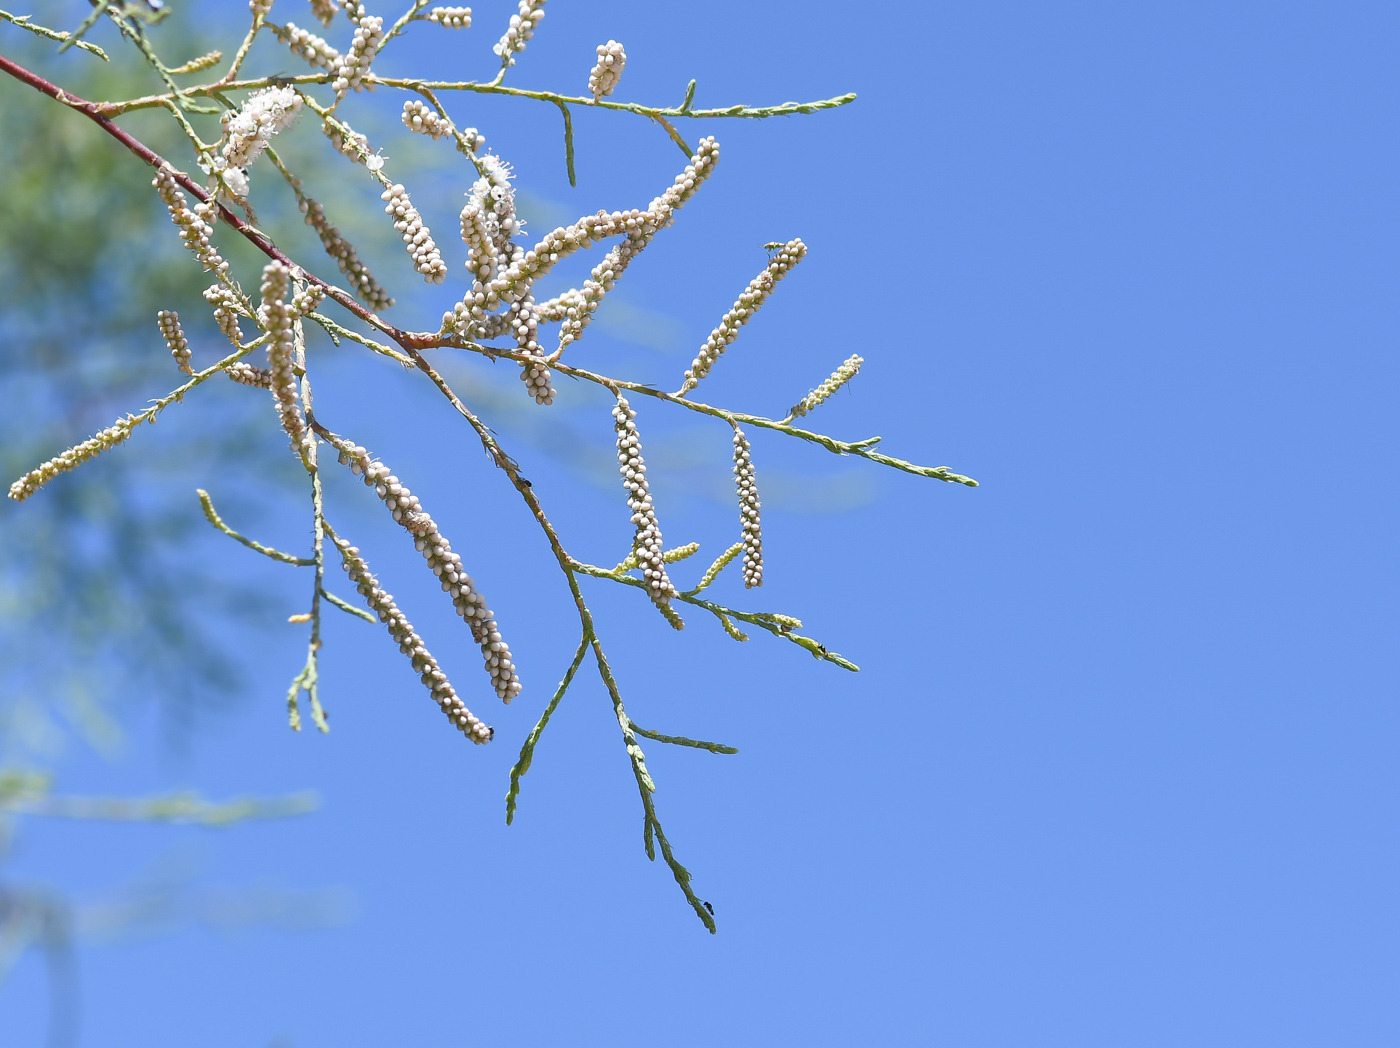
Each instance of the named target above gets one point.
<point>507,278</point>
<point>743,310</point>
<point>522,27</point>
<point>747,487</point>
<point>420,118</point>
<point>198,65</point>
<point>72,458</point>
<point>226,310</point>
<point>607,71</point>
<point>362,282</point>
<point>451,17</point>
<point>407,511</point>
<point>401,630</point>
<point>324,10</point>
<point>535,373</point>
<point>279,321</point>
<point>346,140</point>
<point>248,131</point>
<point>839,378</point>
<point>248,375</point>
<point>175,340</point>
<point>354,64</point>
<point>646,541</point>
<point>308,46</point>
<point>196,229</point>
<point>421,248</point>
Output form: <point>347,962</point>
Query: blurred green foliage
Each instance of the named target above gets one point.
<point>100,597</point>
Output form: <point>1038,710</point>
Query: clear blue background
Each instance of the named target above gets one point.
<point>1119,767</point>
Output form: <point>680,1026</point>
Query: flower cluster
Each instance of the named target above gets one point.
<point>437,551</point>
<point>279,321</point>
<point>226,310</point>
<point>346,139</point>
<point>426,257</point>
<point>430,673</point>
<point>747,486</point>
<point>362,282</point>
<point>307,298</point>
<point>355,63</point>
<point>522,27</point>
<point>175,340</point>
<point>260,8</point>
<point>419,117</point>
<point>524,321</point>
<point>324,10</point>
<point>748,303</point>
<point>71,459</point>
<point>608,70</point>
<point>505,273</point>
<point>451,17</point>
<point>646,542</point>
<point>248,375</point>
<point>248,132</point>
<point>308,45</point>
<point>195,227</point>
<point>839,378</point>
<point>471,140</point>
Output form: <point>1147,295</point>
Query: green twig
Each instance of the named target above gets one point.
<point>266,551</point>
<point>681,740</point>
<point>569,143</point>
<point>359,613</point>
<point>527,752</point>
<point>56,34</point>
<point>675,135</point>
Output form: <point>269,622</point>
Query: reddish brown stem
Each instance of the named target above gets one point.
<point>93,111</point>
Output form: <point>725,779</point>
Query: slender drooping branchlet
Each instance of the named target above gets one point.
<point>196,229</point>
<point>248,375</point>
<point>278,319</point>
<point>308,45</point>
<point>248,131</point>
<point>430,673</point>
<point>226,311</point>
<point>521,28</point>
<point>416,237</point>
<point>355,63</point>
<point>646,541</point>
<point>839,378</point>
<point>420,118</point>
<point>748,303</point>
<point>407,511</point>
<point>747,486</point>
<point>175,340</point>
<point>362,281</point>
<point>71,459</point>
<point>451,17</point>
<point>607,71</point>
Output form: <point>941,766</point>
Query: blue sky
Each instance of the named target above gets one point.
<point>1119,765</point>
